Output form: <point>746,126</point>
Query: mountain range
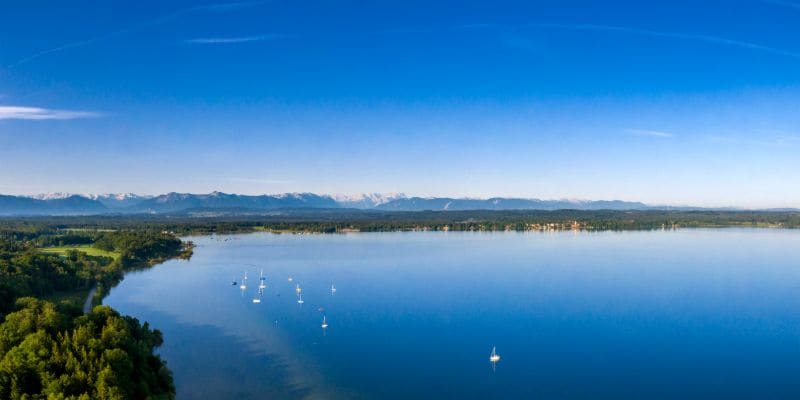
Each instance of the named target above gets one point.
<point>171,203</point>
<point>499,203</point>
<point>70,205</point>
<point>366,200</point>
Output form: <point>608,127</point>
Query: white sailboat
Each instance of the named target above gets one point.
<point>262,281</point>
<point>300,299</point>
<point>297,288</point>
<point>257,299</point>
<point>324,322</point>
<point>494,357</point>
<point>290,278</point>
<point>333,289</point>
<point>243,286</point>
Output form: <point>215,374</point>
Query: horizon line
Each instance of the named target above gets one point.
<point>340,198</point>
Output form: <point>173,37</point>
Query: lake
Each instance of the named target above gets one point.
<point>707,313</point>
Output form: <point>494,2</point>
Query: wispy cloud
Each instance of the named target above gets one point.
<point>401,31</point>
<point>650,133</point>
<point>783,3</point>
<point>216,7</point>
<point>260,181</point>
<point>769,138</point>
<point>649,32</point>
<point>475,26</point>
<point>38,114</point>
<point>673,35</point>
<point>231,40</point>
<point>788,139</point>
<point>229,6</point>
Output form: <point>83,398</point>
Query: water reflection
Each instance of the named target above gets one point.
<point>676,314</point>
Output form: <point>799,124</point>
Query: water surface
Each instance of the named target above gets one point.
<point>665,314</point>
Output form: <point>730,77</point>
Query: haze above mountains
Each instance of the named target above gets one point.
<point>177,203</point>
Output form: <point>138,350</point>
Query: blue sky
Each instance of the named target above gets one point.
<point>673,102</point>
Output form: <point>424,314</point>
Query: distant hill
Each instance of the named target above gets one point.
<point>176,202</point>
<point>498,203</point>
<point>128,203</point>
<point>119,200</point>
<point>366,200</point>
<point>110,200</point>
<point>71,205</point>
<point>229,204</point>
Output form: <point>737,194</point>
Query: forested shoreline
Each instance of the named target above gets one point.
<point>316,220</point>
<point>49,348</point>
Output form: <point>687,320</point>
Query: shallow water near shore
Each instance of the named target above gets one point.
<point>659,314</point>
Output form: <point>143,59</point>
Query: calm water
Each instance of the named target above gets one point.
<point>685,314</point>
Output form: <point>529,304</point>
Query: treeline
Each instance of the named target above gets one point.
<point>137,247</point>
<point>49,351</point>
<point>136,250</point>
<point>52,350</point>
<point>25,271</point>
<point>337,220</point>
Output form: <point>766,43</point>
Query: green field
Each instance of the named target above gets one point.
<point>62,250</point>
<point>76,297</point>
<point>89,230</point>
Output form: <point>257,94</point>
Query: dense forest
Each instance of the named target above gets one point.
<point>26,271</point>
<point>52,350</point>
<point>314,220</point>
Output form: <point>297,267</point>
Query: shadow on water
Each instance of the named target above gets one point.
<point>209,364</point>
<point>215,347</point>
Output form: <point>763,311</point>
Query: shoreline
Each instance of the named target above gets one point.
<point>87,305</point>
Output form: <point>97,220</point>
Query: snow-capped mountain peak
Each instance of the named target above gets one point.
<point>51,196</point>
<point>116,196</point>
<point>366,200</point>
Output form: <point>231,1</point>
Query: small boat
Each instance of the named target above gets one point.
<point>257,300</point>
<point>243,286</point>
<point>300,299</point>
<point>298,289</point>
<point>494,357</point>
<point>333,289</point>
<point>324,322</point>
<point>234,283</point>
<point>261,276</point>
<point>262,285</point>
<point>290,278</point>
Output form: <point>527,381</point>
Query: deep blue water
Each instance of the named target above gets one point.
<point>675,314</point>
